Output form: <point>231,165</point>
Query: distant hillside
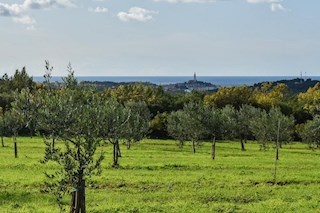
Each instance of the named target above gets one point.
<point>101,85</point>
<point>172,88</point>
<point>295,86</point>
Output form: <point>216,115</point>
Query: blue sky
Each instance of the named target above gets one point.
<point>161,37</point>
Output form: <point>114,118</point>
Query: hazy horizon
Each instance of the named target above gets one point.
<point>191,76</point>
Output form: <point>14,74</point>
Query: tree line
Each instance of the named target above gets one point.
<point>302,106</point>
<point>196,122</point>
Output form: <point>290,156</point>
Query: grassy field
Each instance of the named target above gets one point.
<point>157,176</point>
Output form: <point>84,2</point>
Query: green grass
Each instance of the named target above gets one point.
<point>157,176</point>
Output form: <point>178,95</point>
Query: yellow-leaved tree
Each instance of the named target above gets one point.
<point>311,99</point>
<point>268,96</point>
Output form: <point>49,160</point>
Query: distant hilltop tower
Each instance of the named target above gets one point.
<point>301,78</point>
<point>195,77</point>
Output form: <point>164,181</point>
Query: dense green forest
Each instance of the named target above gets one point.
<point>85,119</point>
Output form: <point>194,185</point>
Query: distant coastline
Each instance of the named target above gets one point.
<point>164,80</point>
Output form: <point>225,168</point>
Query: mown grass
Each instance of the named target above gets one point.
<point>157,176</point>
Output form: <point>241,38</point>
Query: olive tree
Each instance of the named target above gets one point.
<point>286,126</point>
<point>76,158</point>
<point>245,115</point>
<point>311,132</point>
<point>21,113</point>
<point>272,127</point>
<point>195,122</point>
<point>114,120</point>
<point>213,121</point>
<point>14,122</point>
<point>237,122</point>
<point>177,127</point>
<point>137,125</point>
<point>260,129</point>
<point>229,122</point>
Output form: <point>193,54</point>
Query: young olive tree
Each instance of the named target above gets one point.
<point>114,120</point>
<point>195,122</point>
<point>245,114</point>
<point>286,126</point>
<point>76,157</point>
<point>21,114</point>
<point>14,122</point>
<point>188,124</point>
<point>137,125</point>
<point>26,105</point>
<point>213,121</point>
<point>229,122</point>
<point>311,133</point>
<point>260,129</point>
<point>177,126</point>
<point>273,127</point>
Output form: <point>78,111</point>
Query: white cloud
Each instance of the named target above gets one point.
<point>44,4</point>
<point>27,20</point>
<point>263,1</point>
<point>275,5</point>
<point>98,10</point>
<point>186,1</point>
<point>19,11</point>
<point>137,14</point>
<point>10,10</point>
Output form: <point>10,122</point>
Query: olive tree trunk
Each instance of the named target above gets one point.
<point>180,144</point>
<point>213,148</point>
<point>193,146</point>
<point>15,146</point>
<point>78,200</point>
<point>115,153</point>
<point>53,142</point>
<point>2,141</point>
<point>128,144</point>
<point>119,151</point>
<point>242,145</point>
<point>277,155</point>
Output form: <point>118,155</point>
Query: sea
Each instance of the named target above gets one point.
<point>163,80</point>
